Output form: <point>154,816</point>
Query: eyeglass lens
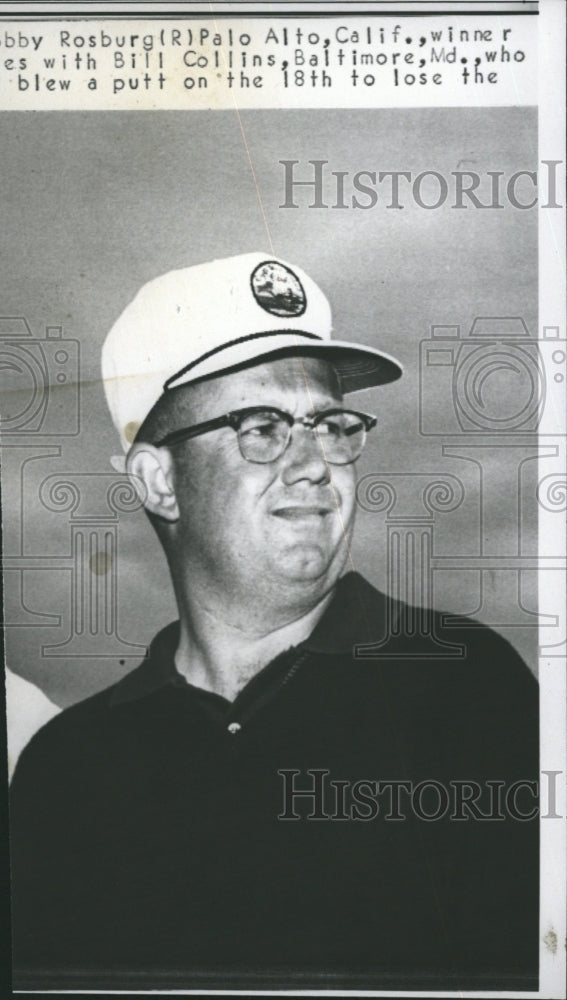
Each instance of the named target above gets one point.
<point>264,436</point>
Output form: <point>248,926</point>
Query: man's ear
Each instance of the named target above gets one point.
<point>151,469</point>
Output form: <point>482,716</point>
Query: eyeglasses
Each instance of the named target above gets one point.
<point>264,432</point>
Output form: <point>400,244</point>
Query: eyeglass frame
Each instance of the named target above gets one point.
<point>235,418</point>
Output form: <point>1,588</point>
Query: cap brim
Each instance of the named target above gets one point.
<point>358,366</point>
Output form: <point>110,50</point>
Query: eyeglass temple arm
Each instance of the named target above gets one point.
<point>189,432</point>
<point>232,419</point>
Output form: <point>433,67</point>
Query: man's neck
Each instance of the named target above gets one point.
<point>222,657</point>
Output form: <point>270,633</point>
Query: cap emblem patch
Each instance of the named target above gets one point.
<point>278,290</point>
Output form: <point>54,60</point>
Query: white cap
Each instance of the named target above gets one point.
<point>200,321</point>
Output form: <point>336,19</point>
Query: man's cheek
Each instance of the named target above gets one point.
<point>344,486</point>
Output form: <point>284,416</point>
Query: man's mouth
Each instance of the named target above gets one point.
<point>299,512</point>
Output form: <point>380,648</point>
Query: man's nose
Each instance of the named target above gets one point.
<point>304,458</point>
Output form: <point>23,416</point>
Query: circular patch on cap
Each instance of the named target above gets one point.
<point>277,289</point>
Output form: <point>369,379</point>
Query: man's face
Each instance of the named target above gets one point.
<point>283,525</point>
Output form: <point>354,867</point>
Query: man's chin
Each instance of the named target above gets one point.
<point>305,563</point>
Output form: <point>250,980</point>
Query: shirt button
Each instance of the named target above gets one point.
<point>234,728</point>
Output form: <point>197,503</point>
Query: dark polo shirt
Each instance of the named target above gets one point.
<point>158,840</point>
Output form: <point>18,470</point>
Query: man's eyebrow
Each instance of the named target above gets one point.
<point>333,404</point>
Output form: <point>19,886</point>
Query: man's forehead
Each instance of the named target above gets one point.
<point>294,383</point>
<point>294,376</point>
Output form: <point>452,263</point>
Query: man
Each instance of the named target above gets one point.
<point>214,818</point>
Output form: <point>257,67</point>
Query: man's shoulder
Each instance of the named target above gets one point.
<point>388,628</point>
<point>402,616</point>
<point>87,724</point>
<point>147,677</point>
<point>457,692</point>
